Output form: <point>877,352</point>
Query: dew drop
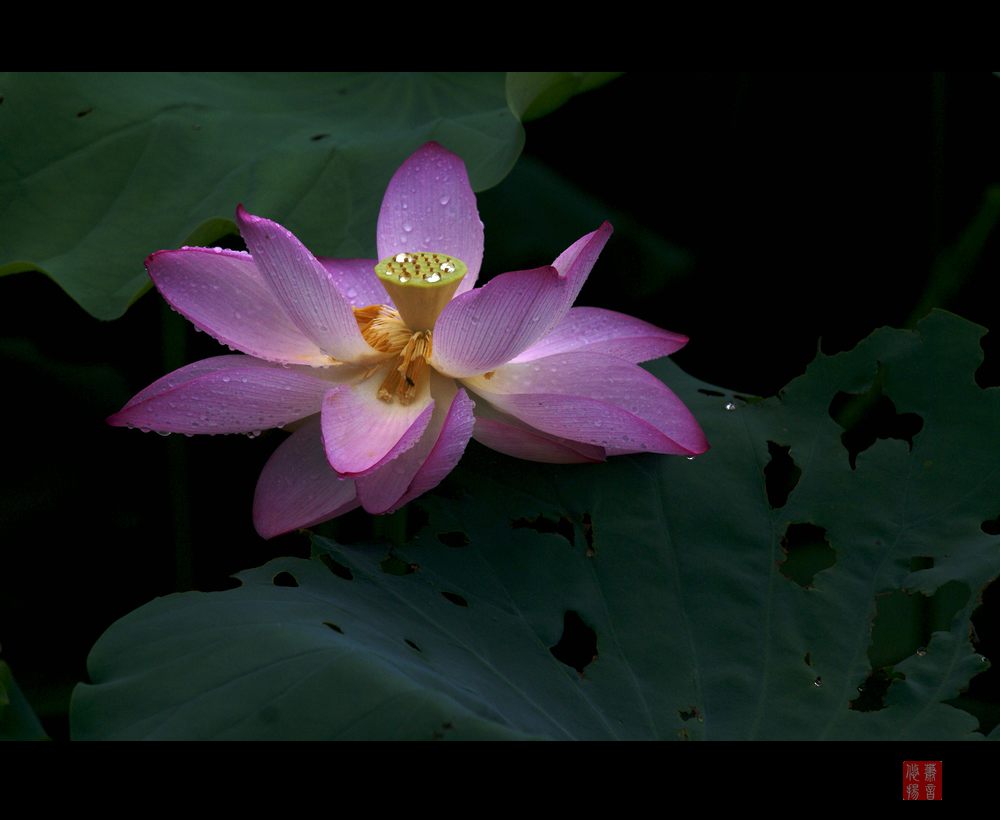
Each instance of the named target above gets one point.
<point>729,406</point>
<point>163,432</point>
<point>404,278</point>
<point>244,380</point>
<point>983,659</point>
<point>434,277</point>
<point>407,227</point>
<point>445,200</point>
<point>237,315</point>
<point>226,379</point>
<point>401,257</point>
<point>447,267</point>
<point>352,293</point>
<point>189,435</point>
<point>921,651</point>
<point>818,682</point>
<point>690,458</point>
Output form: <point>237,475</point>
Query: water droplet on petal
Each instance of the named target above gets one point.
<point>226,379</point>
<point>163,432</point>
<point>445,200</point>
<point>818,681</point>
<point>729,405</point>
<point>352,293</point>
<point>407,227</point>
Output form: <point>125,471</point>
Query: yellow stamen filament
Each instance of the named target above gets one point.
<point>382,328</point>
<point>410,370</point>
<point>386,332</point>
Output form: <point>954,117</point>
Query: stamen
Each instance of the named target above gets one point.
<point>382,328</point>
<point>385,331</point>
<point>410,370</point>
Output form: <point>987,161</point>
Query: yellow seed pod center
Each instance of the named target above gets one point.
<point>421,284</point>
<point>437,269</point>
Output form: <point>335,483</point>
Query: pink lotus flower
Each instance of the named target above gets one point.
<point>386,371</point>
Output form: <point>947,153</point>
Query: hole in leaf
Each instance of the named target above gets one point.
<point>455,598</point>
<point>563,526</point>
<point>808,659</point>
<point>710,392</point>
<point>578,645</point>
<point>781,475</point>
<point>396,566</point>
<point>692,713</point>
<point>991,527</point>
<point>980,699</point>
<point>905,621</point>
<point>84,112</point>
<point>336,567</point>
<point>333,626</point>
<point>871,693</point>
<point>411,644</point>
<point>871,415</point>
<point>588,535</point>
<point>317,137</point>
<point>453,539</point>
<point>807,551</point>
<point>284,579</point>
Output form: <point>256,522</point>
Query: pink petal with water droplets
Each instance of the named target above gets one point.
<point>227,394</point>
<point>298,488</point>
<point>223,293</point>
<point>356,281</point>
<point>362,433</point>
<point>597,399</point>
<point>429,206</point>
<point>574,265</point>
<point>596,330</point>
<point>425,464</point>
<point>483,329</point>
<point>304,288</point>
<point>508,435</point>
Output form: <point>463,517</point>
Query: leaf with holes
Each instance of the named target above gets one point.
<point>100,170</point>
<point>647,597</point>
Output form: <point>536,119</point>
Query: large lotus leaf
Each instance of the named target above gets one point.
<point>648,597</point>
<point>97,171</point>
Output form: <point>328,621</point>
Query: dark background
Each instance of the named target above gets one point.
<point>761,215</point>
